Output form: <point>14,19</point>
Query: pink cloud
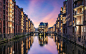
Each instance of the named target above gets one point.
<point>50,17</point>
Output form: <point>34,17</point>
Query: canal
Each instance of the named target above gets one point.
<point>41,45</point>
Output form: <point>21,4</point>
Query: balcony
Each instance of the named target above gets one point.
<point>79,24</point>
<point>74,24</point>
<point>10,20</point>
<point>78,14</point>
<point>64,12</point>
<point>64,22</point>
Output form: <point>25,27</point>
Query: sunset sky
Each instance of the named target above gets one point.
<point>41,10</point>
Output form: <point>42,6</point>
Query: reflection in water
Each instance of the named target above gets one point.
<point>27,45</point>
<point>41,45</point>
<point>43,40</point>
<point>20,46</point>
<point>66,47</point>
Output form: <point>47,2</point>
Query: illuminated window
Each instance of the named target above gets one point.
<point>85,7</point>
<point>61,27</point>
<point>82,9</point>
<point>58,24</point>
<point>61,15</point>
<point>61,8</point>
<point>73,21</point>
<point>61,24</point>
<point>61,18</point>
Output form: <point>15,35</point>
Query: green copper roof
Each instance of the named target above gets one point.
<point>65,0</point>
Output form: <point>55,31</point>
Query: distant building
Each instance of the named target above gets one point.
<point>59,22</point>
<point>54,28</point>
<point>43,27</point>
<point>29,26</point>
<point>36,29</point>
<point>32,26</point>
<point>50,29</point>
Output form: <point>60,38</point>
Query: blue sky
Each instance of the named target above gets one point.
<point>41,10</point>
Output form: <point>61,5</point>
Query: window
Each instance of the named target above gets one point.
<point>79,39</point>
<point>61,24</point>
<point>61,18</point>
<point>4,7</point>
<point>3,1</point>
<point>58,24</point>
<point>4,11</point>
<point>82,9</point>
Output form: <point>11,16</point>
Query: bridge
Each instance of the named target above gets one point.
<point>42,32</point>
<point>36,32</point>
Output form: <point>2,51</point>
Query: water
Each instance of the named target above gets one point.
<point>40,45</point>
<point>46,47</point>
